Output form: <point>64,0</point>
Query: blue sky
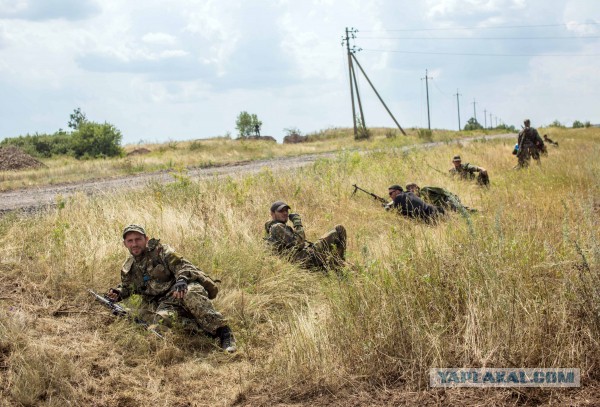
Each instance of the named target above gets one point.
<point>184,69</point>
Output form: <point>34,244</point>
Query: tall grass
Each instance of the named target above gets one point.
<point>512,285</point>
<point>174,155</point>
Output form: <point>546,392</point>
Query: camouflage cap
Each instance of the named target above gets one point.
<point>133,228</point>
<point>278,206</point>
<point>456,158</point>
<point>396,187</point>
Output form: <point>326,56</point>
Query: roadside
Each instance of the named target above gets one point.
<point>32,199</point>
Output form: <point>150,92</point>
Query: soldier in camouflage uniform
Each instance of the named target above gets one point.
<point>467,171</point>
<point>170,287</point>
<point>439,197</point>
<point>530,145</point>
<point>327,252</point>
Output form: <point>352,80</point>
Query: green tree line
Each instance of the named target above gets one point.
<point>87,140</point>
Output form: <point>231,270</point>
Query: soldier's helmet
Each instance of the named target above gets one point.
<point>456,158</point>
<point>526,122</point>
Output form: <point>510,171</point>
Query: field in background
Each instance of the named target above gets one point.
<point>178,156</point>
<point>515,285</point>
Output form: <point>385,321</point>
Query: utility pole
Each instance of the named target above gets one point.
<point>496,117</point>
<point>427,92</point>
<point>377,93</point>
<point>458,107</point>
<point>347,40</point>
<point>484,119</point>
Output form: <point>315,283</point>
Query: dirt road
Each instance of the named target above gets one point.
<point>30,199</point>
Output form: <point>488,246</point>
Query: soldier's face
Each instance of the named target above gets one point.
<point>281,216</point>
<point>456,164</point>
<point>135,242</point>
<point>393,193</point>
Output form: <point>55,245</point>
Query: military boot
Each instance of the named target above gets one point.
<point>226,338</point>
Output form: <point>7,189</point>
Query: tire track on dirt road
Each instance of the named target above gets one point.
<point>31,199</point>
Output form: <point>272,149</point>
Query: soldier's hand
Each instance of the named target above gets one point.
<point>180,288</point>
<point>484,171</point>
<point>293,216</point>
<point>113,294</point>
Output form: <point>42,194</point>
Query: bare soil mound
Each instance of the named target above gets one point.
<point>138,151</point>
<point>13,159</point>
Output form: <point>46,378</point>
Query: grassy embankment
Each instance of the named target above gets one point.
<point>204,153</point>
<point>515,285</point>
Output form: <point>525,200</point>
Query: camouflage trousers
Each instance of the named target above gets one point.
<point>194,311</point>
<point>526,154</point>
<point>329,251</point>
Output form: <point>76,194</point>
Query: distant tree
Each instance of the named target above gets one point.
<point>587,124</point>
<point>558,124</point>
<point>473,124</point>
<point>95,140</point>
<point>76,119</point>
<point>577,124</point>
<point>247,124</point>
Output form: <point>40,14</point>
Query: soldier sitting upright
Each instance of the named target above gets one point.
<point>327,252</point>
<point>467,171</point>
<point>170,287</point>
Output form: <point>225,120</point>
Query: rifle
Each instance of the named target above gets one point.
<point>119,311</point>
<point>377,197</point>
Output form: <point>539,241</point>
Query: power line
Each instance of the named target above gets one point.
<point>481,55</point>
<point>482,28</point>
<point>575,37</point>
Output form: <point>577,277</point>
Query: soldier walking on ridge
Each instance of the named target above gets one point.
<point>530,145</point>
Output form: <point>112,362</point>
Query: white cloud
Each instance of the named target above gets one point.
<point>185,68</point>
<point>159,38</point>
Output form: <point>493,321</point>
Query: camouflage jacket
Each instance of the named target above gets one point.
<point>440,197</point>
<point>529,137</point>
<point>465,171</point>
<point>285,239</point>
<point>153,273</point>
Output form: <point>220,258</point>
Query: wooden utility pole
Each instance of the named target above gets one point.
<point>458,107</point>
<point>490,120</point>
<point>347,39</point>
<point>362,115</point>
<point>375,90</point>
<point>474,110</point>
<point>484,119</point>
<point>427,93</point>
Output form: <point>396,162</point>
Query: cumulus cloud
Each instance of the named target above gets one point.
<point>39,10</point>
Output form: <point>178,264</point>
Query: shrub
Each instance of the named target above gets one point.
<point>93,140</point>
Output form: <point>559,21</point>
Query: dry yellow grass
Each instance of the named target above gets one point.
<point>515,285</point>
<point>200,153</point>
